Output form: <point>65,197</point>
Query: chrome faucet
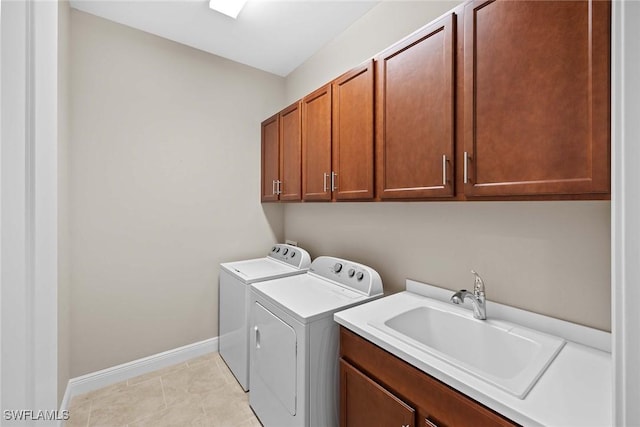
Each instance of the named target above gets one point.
<point>477,297</point>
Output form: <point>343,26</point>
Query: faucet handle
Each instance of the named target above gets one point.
<point>478,282</point>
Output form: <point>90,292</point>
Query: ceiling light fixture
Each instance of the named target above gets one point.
<point>228,7</point>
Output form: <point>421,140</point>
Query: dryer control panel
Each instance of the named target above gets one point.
<point>348,274</point>
<point>292,255</point>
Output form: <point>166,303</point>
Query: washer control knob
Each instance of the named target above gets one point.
<point>360,275</point>
<point>277,250</point>
<point>293,254</point>
<point>284,251</point>
<point>337,268</point>
<point>273,249</point>
<point>351,272</point>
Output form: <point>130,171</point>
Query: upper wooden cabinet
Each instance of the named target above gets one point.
<point>415,114</point>
<point>290,153</point>
<point>316,145</point>
<point>498,100</point>
<point>536,97</point>
<point>337,138</point>
<point>281,151</point>
<point>353,131</point>
<point>270,160</point>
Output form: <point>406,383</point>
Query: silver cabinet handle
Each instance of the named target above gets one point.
<point>324,181</point>
<point>273,187</point>
<point>279,187</point>
<point>430,423</point>
<point>334,181</point>
<point>444,170</point>
<point>466,168</point>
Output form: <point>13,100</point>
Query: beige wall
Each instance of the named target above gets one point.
<point>164,185</point>
<point>548,257</point>
<point>160,190</point>
<point>63,198</point>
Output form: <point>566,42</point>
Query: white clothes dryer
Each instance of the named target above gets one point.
<point>233,310</point>
<point>294,341</point>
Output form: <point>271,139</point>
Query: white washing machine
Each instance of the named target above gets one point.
<point>294,341</point>
<point>233,310</point>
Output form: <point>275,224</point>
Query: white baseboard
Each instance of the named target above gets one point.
<point>115,374</point>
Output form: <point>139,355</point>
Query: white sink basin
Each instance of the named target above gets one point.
<point>506,355</point>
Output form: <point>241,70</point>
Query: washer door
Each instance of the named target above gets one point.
<point>275,356</point>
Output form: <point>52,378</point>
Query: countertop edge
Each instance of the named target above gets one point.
<point>521,411</point>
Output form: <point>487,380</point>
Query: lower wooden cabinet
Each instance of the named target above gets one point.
<point>379,408</point>
<point>379,389</point>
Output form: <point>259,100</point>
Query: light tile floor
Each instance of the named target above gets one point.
<point>199,393</point>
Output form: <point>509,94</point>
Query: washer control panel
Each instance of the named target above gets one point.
<point>348,274</point>
<point>292,255</point>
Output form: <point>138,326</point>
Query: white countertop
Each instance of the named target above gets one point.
<point>575,390</point>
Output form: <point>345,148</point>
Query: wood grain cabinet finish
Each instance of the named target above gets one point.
<point>393,380</point>
<point>353,143</point>
<point>337,138</point>
<point>316,145</point>
<point>498,100</point>
<point>536,97</point>
<point>290,153</point>
<point>365,403</point>
<point>270,171</point>
<point>415,114</point>
<point>281,151</point>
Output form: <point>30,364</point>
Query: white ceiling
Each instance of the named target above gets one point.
<point>272,35</point>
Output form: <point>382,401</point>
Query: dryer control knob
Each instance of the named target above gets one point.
<point>284,251</point>
<point>337,268</point>
<point>360,275</point>
<point>277,250</point>
<point>351,272</point>
<point>293,254</point>
<point>273,249</point>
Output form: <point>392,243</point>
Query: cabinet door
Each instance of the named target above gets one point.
<point>270,162</point>
<point>316,145</point>
<point>436,402</point>
<point>415,115</point>
<point>352,159</point>
<point>290,153</point>
<point>536,97</point>
<point>364,403</point>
